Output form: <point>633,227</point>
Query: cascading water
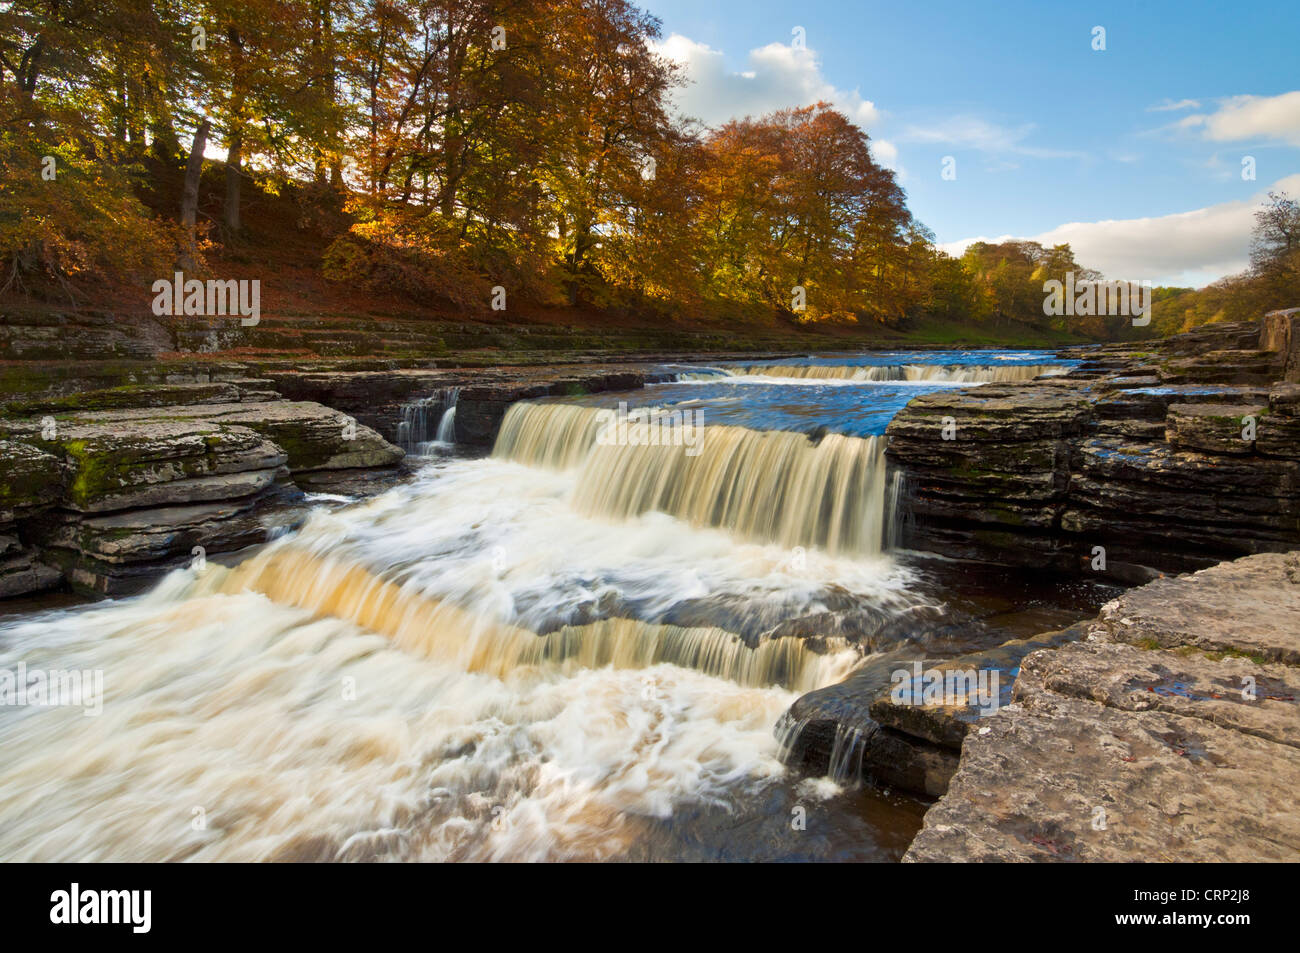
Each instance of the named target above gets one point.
<point>556,436</point>
<point>428,421</point>
<point>427,675</point>
<point>445,633</point>
<point>235,728</point>
<point>447,425</point>
<point>577,648</point>
<point>777,486</point>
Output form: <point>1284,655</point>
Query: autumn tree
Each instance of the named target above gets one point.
<point>75,101</point>
<point>444,147</point>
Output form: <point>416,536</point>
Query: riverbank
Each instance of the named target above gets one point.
<point>1164,458</point>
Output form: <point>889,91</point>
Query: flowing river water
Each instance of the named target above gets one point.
<point>576,648</point>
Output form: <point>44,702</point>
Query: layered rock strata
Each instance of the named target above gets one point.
<point>1137,462</point>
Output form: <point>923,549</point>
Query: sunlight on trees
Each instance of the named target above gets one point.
<point>442,148</point>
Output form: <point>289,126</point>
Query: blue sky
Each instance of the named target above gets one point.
<point>1133,153</point>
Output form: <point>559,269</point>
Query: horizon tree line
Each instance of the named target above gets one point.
<point>445,147</point>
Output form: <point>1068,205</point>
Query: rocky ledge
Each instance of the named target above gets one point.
<point>380,398</point>
<point>874,727</point>
<point>1137,462</point>
<point>107,498</point>
<point>1167,727</point>
<point>113,472</point>
<point>1170,732</point>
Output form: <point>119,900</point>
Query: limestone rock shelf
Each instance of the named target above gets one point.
<point>1171,733</point>
<point>376,397</point>
<point>106,499</point>
<point>1162,459</point>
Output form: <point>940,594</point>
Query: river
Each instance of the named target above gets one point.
<point>578,647</point>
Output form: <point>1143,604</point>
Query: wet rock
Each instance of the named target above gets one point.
<point>29,478</point>
<point>829,731</point>
<point>120,553</point>
<point>314,437</point>
<point>119,464</point>
<point>1214,428</point>
<point>878,725</point>
<point>22,571</point>
<point>235,437</point>
<point>1172,733</point>
<point>373,397</point>
<point>946,722</point>
<point>112,497</point>
<point>30,481</point>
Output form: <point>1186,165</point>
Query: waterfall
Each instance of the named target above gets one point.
<point>945,373</point>
<point>447,426</point>
<point>555,436</point>
<point>439,631</point>
<point>844,754</point>
<point>772,486</point>
<point>428,421</point>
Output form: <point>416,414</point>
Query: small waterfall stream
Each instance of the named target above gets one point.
<point>428,421</point>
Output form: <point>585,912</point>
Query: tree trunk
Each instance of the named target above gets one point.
<point>190,196</point>
<point>233,175</point>
<point>119,119</point>
<point>134,114</point>
<point>162,129</point>
<point>234,151</point>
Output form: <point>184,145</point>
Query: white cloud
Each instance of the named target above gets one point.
<point>776,77</point>
<point>886,153</point>
<point>1169,106</point>
<point>971,132</point>
<point>1186,249</point>
<point>1274,118</point>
